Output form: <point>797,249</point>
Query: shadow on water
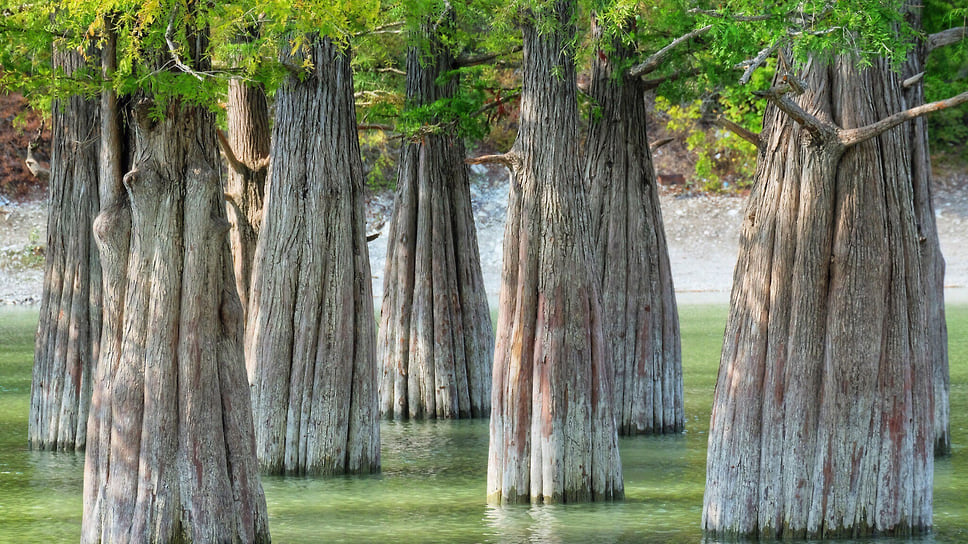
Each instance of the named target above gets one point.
<point>432,487</point>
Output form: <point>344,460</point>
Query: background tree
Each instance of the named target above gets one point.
<point>638,299</point>
<point>552,431</point>
<point>310,338</point>
<point>69,328</point>
<point>246,150</point>
<point>170,439</point>
<point>435,342</point>
<point>822,418</point>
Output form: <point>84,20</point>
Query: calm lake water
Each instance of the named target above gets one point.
<point>432,485</point>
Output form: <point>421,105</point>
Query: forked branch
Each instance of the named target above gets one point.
<point>812,124</point>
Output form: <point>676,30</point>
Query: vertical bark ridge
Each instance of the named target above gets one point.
<point>638,297</point>
<point>435,340</point>
<point>69,329</point>
<point>821,423</point>
<point>310,336</point>
<point>552,432</point>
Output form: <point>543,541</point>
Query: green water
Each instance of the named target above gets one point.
<point>432,485</point>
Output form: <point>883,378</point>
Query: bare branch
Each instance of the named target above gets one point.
<point>737,129</point>
<point>230,156</point>
<point>947,37</point>
<point>38,170</point>
<point>464,62</point>
<point>392,70</point>
<point>855,136</point>
<point>660,143</point>
<point>388,28</point>
<point>173,49</point>
<point>737,18</point>
<point>751,65</point>
<point>503,158</point>
<point>374,126</point>
<point>655,82</point>
<point>652,63</point>
<point>817,127</point>
<point>913,80</point>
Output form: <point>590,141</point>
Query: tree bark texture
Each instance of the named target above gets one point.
<point>932,267</point>
<point>435,344</point>
<point>69,329</point>
<point>552,431</point>
<point>638,299</point>
<point>311,335</point>
<point>822,416</point>
<point>247,119</point>
<point>170,452</point>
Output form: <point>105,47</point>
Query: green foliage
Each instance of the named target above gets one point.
<point>724,160</point>
<point>946,74</point>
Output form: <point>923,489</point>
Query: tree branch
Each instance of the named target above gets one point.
<point>946,37</point>
<point>503,158</point>
<point>855,136</point>
<point>812,124</point>
<point>655,82</point>
<point>737,129</point>
<point>374,126</point>
<point>913,80</point>
<point>652,63</point>
<point>464,62</point>
<point>230,157</point>
<point>751,65</point>
<point>660,143</point>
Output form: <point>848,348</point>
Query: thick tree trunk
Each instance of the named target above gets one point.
<point>69,330</point>
<point>435,342</point>
<point>247,117</point>
<point>311,339</point>
<point>170,447</point>
<point>638,299</point>
<point>822,417</point>
<point>552,432</point>
<point>932,267</point>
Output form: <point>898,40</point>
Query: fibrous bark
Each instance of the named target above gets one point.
<point>435,342</point>
<point>170,447</point>
<point>69,329</point>
<point>552,432</point>
<point>932,268</point>
<point>823,411</point>
<point>638,299</point>
<point>247,119</point>
<point>310,339</point>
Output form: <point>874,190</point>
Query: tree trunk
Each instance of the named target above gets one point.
<point>435,343</point>
<point>822,416</point>
<point>638,299</point>
<point>552,432</point>
<point>170,450</point>
<point>69,330</point>
<point>311,338</point>
<point>247,117</point>
<point>932,267</point>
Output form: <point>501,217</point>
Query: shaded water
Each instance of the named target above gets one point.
<point>432,485</point>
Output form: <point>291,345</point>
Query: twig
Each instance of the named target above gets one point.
<point>750,66</point>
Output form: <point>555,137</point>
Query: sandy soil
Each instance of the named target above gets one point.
<point>702,232</point>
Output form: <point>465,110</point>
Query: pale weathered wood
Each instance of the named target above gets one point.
<point>638,299</point>
<point>821,422</point>
<point>247,120</point>
<point>69,329</point>
<point>552,432</point>
<point>435,340</point>
<point>310,337</point>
